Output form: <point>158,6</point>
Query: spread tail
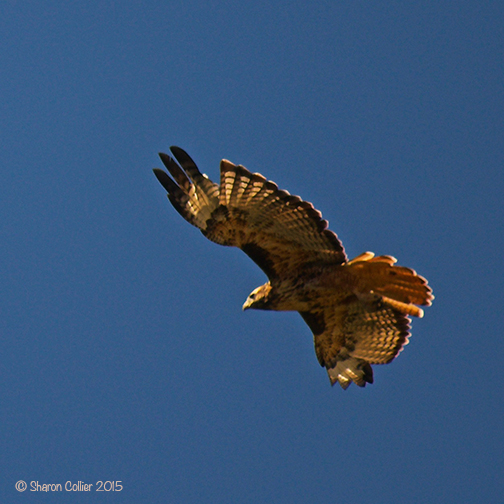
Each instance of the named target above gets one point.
<point>397,286</point>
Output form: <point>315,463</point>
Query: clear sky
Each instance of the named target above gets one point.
<point>126,356</point>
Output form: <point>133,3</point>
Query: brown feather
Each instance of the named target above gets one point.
<point>357,310</point>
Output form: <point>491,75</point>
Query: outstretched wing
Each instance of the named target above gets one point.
<point>350,337</point>
<point>280,232</point>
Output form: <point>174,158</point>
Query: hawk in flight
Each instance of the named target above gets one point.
<point>357,310</point>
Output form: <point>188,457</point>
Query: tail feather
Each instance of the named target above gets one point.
<point>400,287</point>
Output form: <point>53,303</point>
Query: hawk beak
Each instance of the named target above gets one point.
<point>246,305</point>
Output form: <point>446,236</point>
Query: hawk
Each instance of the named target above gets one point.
<point>357,310</point>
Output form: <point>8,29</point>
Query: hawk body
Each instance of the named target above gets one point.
<point>357,310</point>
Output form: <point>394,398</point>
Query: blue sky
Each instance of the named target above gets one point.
<point>126,355</point>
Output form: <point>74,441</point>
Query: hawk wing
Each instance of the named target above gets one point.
<point>278,231</point>
<point>349,338</point>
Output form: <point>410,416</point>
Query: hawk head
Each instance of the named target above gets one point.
<point>259,298</point>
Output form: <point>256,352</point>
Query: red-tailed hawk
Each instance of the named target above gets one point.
<point>357,310</point>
